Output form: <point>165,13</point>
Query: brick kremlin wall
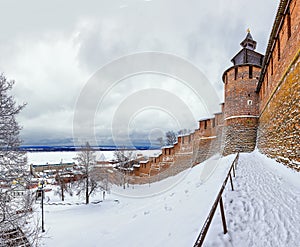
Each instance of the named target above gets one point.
<point>279,89</point>
<point>270,121</point>
<point>190,150</point>
<point>279,123</point>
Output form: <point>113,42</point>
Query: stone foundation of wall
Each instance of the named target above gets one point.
<point>239,135</point>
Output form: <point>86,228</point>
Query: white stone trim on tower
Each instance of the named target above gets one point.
<point>241,116</point>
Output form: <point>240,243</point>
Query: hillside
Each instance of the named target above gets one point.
<point>262,211</point>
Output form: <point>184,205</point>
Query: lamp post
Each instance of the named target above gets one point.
<point>42,202</point>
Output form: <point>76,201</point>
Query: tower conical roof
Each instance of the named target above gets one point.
<point>249,42</point>
<point>248,55</point>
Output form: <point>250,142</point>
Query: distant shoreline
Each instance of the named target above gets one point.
<point>44,148</point>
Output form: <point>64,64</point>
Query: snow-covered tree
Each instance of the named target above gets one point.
<point>124,157</point>
<point>104,180</point>
<point>87,159</point>
<point>15,199</point>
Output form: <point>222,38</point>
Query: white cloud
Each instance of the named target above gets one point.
<point>51,52</point>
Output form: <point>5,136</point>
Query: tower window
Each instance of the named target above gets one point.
<point>250,72</point>
<point>272,66</point>
<point>213,123</point>
<point>205,124</point>
<point>249,102</point>
<point>289,29</point>
<point>278,47</point>
<point>235,72</point>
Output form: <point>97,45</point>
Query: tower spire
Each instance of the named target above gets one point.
<point>248,42</point>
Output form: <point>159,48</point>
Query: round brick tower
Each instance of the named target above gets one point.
<point>241,99</point>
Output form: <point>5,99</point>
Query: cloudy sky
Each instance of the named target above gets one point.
<point>52,49</point>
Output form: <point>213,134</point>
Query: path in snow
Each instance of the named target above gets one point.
<point>264,209</point>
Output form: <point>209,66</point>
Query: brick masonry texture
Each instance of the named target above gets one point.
<point>239,91</point>
<point>279,91</point>
<point>279,124</point>
<point>240,109</point>
<point>261,108</point>
<point>240,135</point>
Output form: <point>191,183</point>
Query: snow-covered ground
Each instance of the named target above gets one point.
<point>264,209</point>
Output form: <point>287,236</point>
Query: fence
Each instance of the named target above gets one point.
<point>218,200</point>
<point>13,237</point>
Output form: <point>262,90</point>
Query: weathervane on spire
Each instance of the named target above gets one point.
<point>248,30</point>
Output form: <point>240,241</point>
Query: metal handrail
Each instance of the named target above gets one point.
<point>218,200</point>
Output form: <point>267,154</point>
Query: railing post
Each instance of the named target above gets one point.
<point>223,216</point>
<point>236,159</point>
<point>218,200</point>
<point>233,169</point>
<point>231,181</point>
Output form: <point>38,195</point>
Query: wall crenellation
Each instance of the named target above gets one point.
<point>261,108</point>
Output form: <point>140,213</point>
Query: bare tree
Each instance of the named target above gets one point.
<point>86,158</point>
<point>104,180</point>
<point>171,138</point>
<point>125,159</point>
<point>15,199</point>
<point>62,184</point>
<point>161,141</point>
<point>184,132</point>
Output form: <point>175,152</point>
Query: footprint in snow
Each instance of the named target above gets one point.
<point>198,184</point>
<point>186,191</point>
<point>146,212</point>
<point>172,194</point>
<point>168,208</point>
<point>134,216</point>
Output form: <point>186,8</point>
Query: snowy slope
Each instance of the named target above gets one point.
<point>170,214</point>
<point>264,210</point>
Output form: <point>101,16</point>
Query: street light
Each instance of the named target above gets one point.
<point>41,189</point>
<point>43,229</point>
